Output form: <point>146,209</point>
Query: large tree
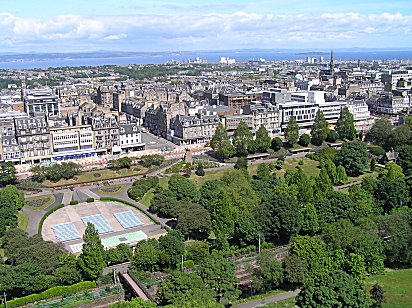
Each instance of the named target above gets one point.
<point>335,289</point>
<point>319,129</point>
<point>353,157</point>
<point>183,189</point>
<point>172,247</point>
<point>146,256</point>
<point>405,159</point>
<point>7,173</point>
<point>262,141</point>
<point>380,132</point>
<point>92,258</point>
<point>242,139</point>
<point>193,221</point>
<point>221,143</point>
<point>269,273</point>
<point>344,126</point>
<point>292,132</point>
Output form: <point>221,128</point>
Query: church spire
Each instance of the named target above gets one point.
<point>331,65</point>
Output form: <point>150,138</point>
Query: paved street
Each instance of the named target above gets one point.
<point>268,300</point>
<point>154,142</point>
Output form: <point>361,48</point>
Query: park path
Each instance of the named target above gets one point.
<point>268,300</point>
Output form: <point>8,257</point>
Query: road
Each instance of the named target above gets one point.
<point>268,300</point>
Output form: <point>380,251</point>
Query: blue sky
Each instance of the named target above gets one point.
<point>79,25</point>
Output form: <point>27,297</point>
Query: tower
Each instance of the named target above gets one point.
<point>331,65</point>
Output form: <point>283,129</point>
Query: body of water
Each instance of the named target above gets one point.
<point>208,56</point>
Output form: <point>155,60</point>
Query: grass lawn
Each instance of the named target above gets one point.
<point>209,175</point>
<point>23,220</point>
<point>397,286</point>
<point>39,202</point>
<point>98,175</point>
<point>147,197</point>
<point>112,189</point>
<point>310,167</point>
<point>259,296</point>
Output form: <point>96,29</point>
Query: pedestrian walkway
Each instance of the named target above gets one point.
<point>268,300</point>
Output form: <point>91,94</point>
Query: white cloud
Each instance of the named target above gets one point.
<point>210,31</point>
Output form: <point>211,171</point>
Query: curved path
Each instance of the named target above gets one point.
<point>268,300</point>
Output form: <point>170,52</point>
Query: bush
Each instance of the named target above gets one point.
<point>304,140</point>
<point>141,186</point>
<point>59,291</point>
<point>74,202</point>
<point>97,175</point>
<point>332,136</point>
<point>186,264</point>
<point>276,144</point>
<point>90,200</point>
<point>124,162</point>
<point>150,160</point>
<point>200,171</point>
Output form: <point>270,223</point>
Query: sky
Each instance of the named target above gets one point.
<point>127,25</point>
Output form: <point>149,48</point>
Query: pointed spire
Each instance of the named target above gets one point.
<point>331,65</point>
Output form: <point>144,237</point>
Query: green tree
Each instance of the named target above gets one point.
<point>134,303</point>
<point>405,159</point>
<point>218,272</point>
<point>373,164</point>
<point>8,214</point>
<point>241,163</point>
<point>400,135</point>
<point>309,219</point>
<point>392,190</point>
<point>197,251</point>
<point>295,270</point>
<point>124,162</point>
<point>345,126</point>
<point>334,206</point>
<point>209,193</point>
<point>183,189</point>
<point>199,170</point>
<point>332,136</point>
<point>262,141</point>
<point>7,173</point>
<point>353,157</point>
<point>341,177</point>
<point>181,287</point>
<point>68,272</point>
<point>269,273</point>
<point>194,221</point>
<point>336,289</point>
<point>380,132</point>
<point>221,144</point>
<point>276,144</point>
<point>355,266</point>
<point>319,129</point>
<point>304,140</point>
<point>164,203</point>
<point>292,132</point>
<point>242,139</point>
<point>223,215</point>
<point>172,247</point>
<point>246,229</point>
<point>91,260</point>
<point>146,256</point>
<point>120,254</point>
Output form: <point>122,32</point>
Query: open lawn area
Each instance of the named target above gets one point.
<point>163,182</point>
<point>287,303</point>
<point>397,285</point>
<point>309,167</point>
<point>98,175</point>
<point>23,220</point>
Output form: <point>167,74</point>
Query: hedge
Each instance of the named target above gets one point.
<point>108,199</point>
<point>74,202</point>
<point>62,291</point>
<point>90,200</point>
<point>47,214</point>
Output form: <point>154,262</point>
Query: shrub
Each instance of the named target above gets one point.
<point>150,160</point>
<point>200,171</point>
<point>141,186</point>
<point>304,140</point>
<point>377,150</point>
<point>97,175</point>
<point>90,200</point>
<point>62,291</point>
<point>332,136</point>
<point>74,202</point>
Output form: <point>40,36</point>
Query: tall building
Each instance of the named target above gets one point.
<point>41,103</point>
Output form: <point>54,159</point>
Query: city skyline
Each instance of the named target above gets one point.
<point>78,26</point>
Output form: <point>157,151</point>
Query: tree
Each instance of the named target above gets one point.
<point>198,251</point>
<point>68,272</point>
<point>378,295</point>
<point>364,203</point>
<point>242,139</point>
<point>134,303</point>
<point>124,162</point>
<point>332,136</point>
<point>269,273</point>
<point>120,254</point>
<point>341,176</point>
<point>309,219</point>
<point>292,131</point>
<point>276,144</point>
<point>146,256</point>
<point>246,229</point>
<point>7,173</point>
<point>373,164</point>
<point>172,247</point>
<point>336,289</point>
<point>400,135</point>
<point>91,260</point>
<point>241,163</point>
<point>304,140</point>
<point>218,272</point>
<point>380,132</point>
<point>334,206</point>
<point>164,203</point>
<point>150,160</point>
<point>193,221</point>
<point>262,141</point>
<point>295,270</point>
<point>221,144</point>
<point>353,157</point>
<point>179,288</point>
<point>199,170</point>
<point>183,189</point>
<point>345,126</point>
<point>405,159</point>
<point>209,193</point>
<point>8,214</point>
<point>392,190</point>
<point>319,129</point>
<point>223,215</point>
